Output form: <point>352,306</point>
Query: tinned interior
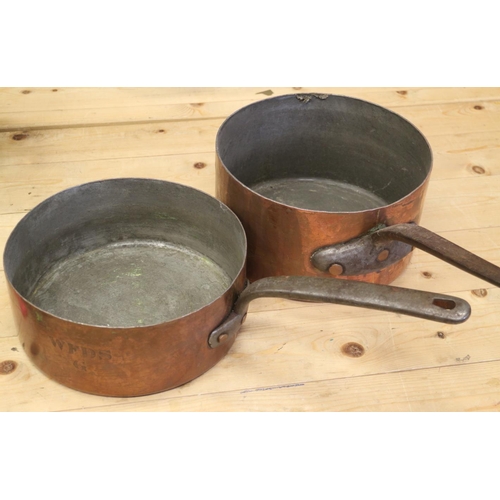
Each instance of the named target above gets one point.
<point>154,250</point>
<point>363,149</point>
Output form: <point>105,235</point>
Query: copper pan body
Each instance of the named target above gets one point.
<point>282,237</point>
<point>121,362</point>
<point>92,271</point>
<point>128,287</point>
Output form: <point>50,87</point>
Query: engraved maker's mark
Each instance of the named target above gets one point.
<point>85,353</point>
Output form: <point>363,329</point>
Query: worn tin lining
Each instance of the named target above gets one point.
<point>325,139</point>
<point>125,252</point>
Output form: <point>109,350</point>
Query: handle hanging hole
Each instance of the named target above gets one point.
<point>445,304</point>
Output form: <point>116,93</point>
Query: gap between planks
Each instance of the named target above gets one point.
<point>164,398</point>
<point>106,124</point>
<point>69,125</point>
<point>188,112</point>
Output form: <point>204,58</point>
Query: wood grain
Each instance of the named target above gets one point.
<point>304,345</point>
<point>161,137</point>
<point>63,107</point>
<point>472,388</point>
<point>289,355</point>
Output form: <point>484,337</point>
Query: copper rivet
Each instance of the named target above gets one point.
<point>244,318</point>
<point>383,255</point>
<point>336,269</point>
<point>222,338</point>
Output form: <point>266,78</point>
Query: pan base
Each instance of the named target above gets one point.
<point>130,284</point>
<point>325,195</point>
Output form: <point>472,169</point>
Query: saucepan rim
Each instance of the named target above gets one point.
<point>306,210</point>
<point>65,192</point>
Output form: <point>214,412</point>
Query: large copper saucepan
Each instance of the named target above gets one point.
<point>330,185</point>
<point>128,287</point>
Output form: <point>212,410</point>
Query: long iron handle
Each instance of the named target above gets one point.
<point>426,305</point>
<point>441,248</point>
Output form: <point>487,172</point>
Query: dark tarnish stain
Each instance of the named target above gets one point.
<point>479,170</point>
<point>26,92</point>
<point>353,350</point>
<point>20,137</point>
<point>14,349</point>
<point>161,131</point>
<point>303,98</point>
<point>480,292</point>
<point>199,165</point>
<point>478,107</point>
<point>376,228</point>
<point>197,104</point>
<point>407,204</point>
<point>54,90</point>
<point>266,92</point>
<point>7,367</point>
<point>462,360</point>
<point>441,335</point>
<point>402,92</point>
<point>426,274</point>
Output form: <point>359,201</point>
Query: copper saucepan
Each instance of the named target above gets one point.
<point>128,287</point>
<point>330,185</point>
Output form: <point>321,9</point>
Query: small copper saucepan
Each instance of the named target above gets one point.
<point>330,185</point>
<point>127,287</point>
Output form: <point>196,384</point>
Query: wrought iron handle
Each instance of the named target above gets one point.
<point>386,245</point>
<point>426,305</point>
<point>441,248</point>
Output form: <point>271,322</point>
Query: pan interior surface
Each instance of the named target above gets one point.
<point>325,195</point>
<point>134,283</point>
<point>323,149</point>
<point>125,253</point>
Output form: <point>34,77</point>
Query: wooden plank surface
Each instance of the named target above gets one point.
<point>289,355</point>
<point>167,137</point>
<point>28,108</point>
